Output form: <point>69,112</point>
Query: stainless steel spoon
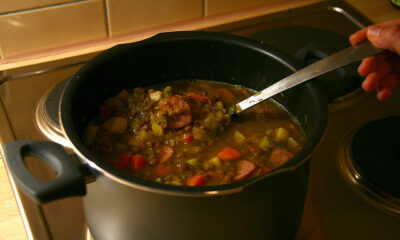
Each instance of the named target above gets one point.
<point>336,60</point>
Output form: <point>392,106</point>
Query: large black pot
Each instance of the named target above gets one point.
<point>119,206</point>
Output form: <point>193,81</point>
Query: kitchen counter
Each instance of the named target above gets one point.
<point>376,11</point>
<point>11,222</point>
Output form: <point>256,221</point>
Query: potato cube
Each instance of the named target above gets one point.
<point>292,143</point>
<point>239,137</point>
<point>157,129</point>
<point>192,162</point>
<point>212,163</point>
<point>281,135</point>
<point>155,96</point>
<point>91,134</point>
<point>264,143</point>
<point>116,125</point>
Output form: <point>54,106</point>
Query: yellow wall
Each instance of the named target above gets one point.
<point>30,29</point>
<point>32,26</point>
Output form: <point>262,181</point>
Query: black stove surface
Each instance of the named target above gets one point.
<point>375,152</point>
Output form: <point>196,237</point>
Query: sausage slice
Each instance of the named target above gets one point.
<point>179,112</point>
<point>244,169</point>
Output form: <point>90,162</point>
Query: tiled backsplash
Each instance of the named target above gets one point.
<point>10,6</point>
<point>51,27</point>
<point>135,15</point>
<point>32,26</point>
<point>223,6</point>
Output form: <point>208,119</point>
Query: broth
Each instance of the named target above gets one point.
<point>180,133</point>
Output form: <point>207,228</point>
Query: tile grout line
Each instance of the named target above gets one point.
<point>205,4</point>
<point>41,7</point>
<point>107,19</point>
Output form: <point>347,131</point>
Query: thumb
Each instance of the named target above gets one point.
<point>385,38</point>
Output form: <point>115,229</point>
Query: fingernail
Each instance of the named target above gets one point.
<point>374,31</point>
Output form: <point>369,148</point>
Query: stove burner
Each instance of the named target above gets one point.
<point>373,162</point>
<point>47,114</point>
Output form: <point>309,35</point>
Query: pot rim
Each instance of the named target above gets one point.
<point>101,168</point>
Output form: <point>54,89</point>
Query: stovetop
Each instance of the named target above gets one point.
<point>334,208</point>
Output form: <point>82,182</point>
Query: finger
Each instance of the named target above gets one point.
<point>387,85</point>
<point>383,69</point>
<point>361,35</point>
<point>385,37</point>
<point>367,66</point>
<point>358,36</point>
<point>371,82</point>
<point>383,94</point>
<point>376,77</point>
<point>391,81</point>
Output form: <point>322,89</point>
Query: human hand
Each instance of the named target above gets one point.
<point>382,71</point>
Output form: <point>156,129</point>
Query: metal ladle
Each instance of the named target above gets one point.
<point>336,60</point>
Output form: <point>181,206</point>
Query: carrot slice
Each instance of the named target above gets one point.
<point>229,154</point>
<point>123,160</point>
<point>244,169</point>
<point>161,170</point>
<point>137,162</point>
<point>188,138</point>
<point>196,180</point>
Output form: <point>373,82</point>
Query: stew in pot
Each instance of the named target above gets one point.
<point>180,133</point>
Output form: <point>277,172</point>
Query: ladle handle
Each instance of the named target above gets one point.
<point>334,61</point>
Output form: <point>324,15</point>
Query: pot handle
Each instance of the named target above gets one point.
<point>338,82</point>
<point>69,181</point>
